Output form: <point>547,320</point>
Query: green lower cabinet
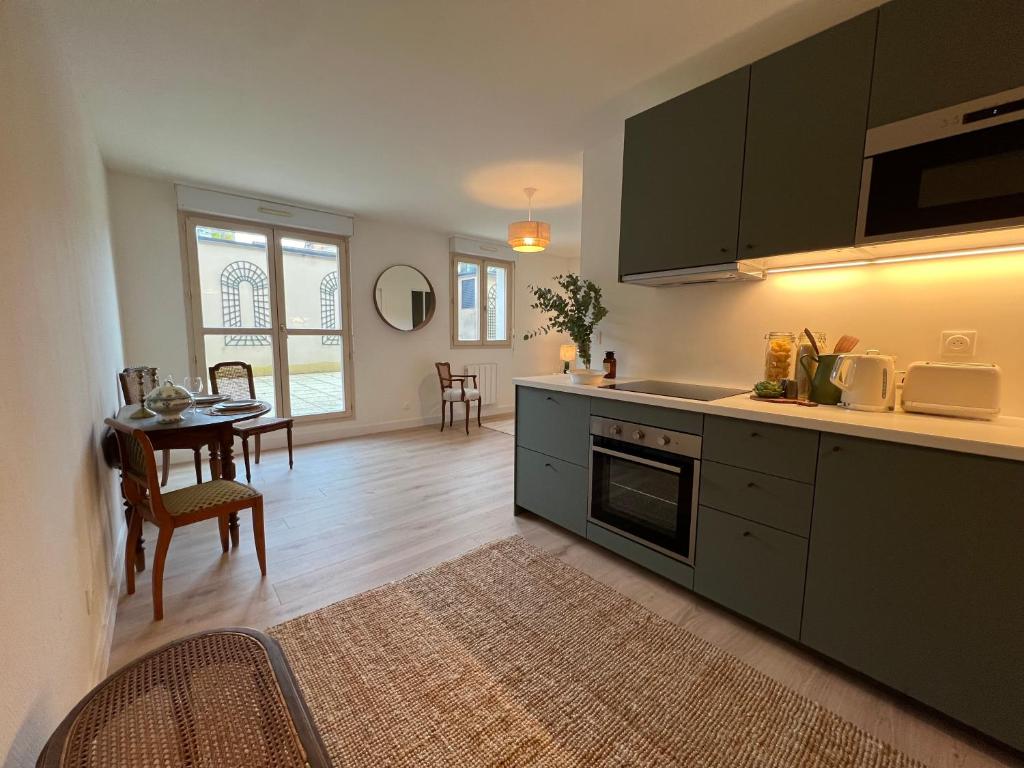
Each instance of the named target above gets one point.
<point>552,488</point>
<point>752,569</point>
<point>916,576</point>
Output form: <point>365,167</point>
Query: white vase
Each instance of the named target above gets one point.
<point>169,402</point>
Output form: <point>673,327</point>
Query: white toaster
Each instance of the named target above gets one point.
<point>967,390</point>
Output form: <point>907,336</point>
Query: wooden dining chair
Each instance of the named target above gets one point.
<point>175,509</point>
<point>130,391</point>
<point>450,395</point>
<point>235,380</point>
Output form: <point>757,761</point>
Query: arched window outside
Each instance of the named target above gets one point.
<point>492,314</point>
<point>329,307</point>
<point>235,310</point>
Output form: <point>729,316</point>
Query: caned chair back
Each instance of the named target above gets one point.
<point>444,374</point>
<point>233,379</point>
<point>129,381</point>
<point>138,467</point>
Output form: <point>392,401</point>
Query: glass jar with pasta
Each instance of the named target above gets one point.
<point>779,355</point>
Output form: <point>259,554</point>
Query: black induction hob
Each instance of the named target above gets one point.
<point>675,389</point>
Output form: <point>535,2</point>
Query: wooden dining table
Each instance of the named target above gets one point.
<point>200,427</point>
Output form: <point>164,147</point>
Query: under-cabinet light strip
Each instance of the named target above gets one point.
<point>900,259</point>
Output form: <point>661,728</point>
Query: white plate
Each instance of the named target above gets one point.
<point>240,405</point>
<point>210,399</point>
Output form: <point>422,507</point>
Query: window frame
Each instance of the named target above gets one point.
<point>482,264</point>
<point>188,221</point>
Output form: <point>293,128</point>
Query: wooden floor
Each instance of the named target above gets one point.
<point>361,512</point>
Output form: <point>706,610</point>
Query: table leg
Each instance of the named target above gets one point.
<point>227,469</point>
<point>214,449</point>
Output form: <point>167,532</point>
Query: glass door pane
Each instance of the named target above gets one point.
<point>219,348</point>
<point>467,297</point>
<point>234,282</point>
<point>313,312</point>
<point>497,303</point>
<point>316,375</point>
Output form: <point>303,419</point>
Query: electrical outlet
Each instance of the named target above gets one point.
<point>959,343</point>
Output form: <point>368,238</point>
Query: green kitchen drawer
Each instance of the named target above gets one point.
<point>554,423</point>
<point>663,565</point>
<point>554,489</point>
<point>773,501</point>
<point>639,413</point>
<point>781,451</point>
<point>752,569</point>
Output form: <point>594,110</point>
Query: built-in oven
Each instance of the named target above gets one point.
<point>644,483</point>
<point>959,169</point>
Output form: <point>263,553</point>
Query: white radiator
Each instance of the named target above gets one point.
<point>487,379</point>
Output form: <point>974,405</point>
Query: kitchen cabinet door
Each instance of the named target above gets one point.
<point>805,142</point>
<point>554,423</point>
<point>937,53</point>
<point>915,576</point>
<point>752,569</point>
<point>682,167</point>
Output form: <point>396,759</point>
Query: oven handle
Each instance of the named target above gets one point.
<point>637,459</point>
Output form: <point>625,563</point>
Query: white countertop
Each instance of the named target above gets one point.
<point>1002,438</point>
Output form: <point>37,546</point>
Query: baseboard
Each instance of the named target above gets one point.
<point>325,431</point>
<point>105,639</point>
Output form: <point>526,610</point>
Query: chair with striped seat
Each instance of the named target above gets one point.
<point>175,509</point>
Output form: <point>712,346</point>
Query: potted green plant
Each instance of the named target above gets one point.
<point>574,310</point>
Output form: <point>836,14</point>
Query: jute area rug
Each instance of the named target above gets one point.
<point>508,657</point>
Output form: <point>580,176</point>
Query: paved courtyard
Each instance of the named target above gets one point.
<point>311,393</point>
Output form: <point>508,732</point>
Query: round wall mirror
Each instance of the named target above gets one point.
<point>404,297</point>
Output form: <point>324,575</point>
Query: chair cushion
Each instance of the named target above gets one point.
<point>205,495</point>
<point>455,393</point>
<point>260,424</point>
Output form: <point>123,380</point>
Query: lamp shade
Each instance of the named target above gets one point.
<point>529,236</point>
<point>567,353</point>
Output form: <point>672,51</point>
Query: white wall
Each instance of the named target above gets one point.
<point>395,382</point>
<point>59,510</point>
<point>715,333</point>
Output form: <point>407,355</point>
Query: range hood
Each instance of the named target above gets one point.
<point>730,271</point>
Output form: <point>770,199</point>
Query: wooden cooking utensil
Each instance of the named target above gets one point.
<point>845,344</point>
<point>787,400</point>
<point>814,342</point>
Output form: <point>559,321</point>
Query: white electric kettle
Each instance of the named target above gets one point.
<point>868,381</point>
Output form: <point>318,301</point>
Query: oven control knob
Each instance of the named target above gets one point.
<point>664,440</point>
<point>615,429</point>
<point>638,435</point>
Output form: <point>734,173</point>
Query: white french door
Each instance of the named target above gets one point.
<point>277,299</point>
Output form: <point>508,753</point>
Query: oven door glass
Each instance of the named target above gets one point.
<point>644,493</point>
<point>972,178</point>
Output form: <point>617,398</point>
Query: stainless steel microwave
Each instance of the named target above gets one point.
<point>959,169</point>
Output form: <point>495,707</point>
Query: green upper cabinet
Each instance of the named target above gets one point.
<point>681,174</point>
<point>805,142</point>
<point>937,53</point>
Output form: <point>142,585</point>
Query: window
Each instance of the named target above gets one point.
<point>278,300</point>
<point>481,302</point>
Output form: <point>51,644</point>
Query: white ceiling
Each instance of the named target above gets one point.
<point>432,112</point>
